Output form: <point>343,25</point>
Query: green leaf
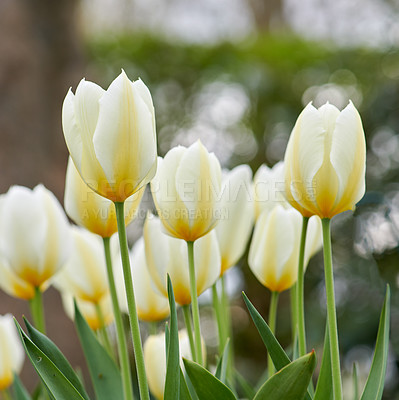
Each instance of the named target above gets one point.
<point>54,354</point>
<point>245,386</point>
<point>355,383</point>
<point>106,378</point>
<point>207,386</point>
<point>291,382</point>
<point>56,383</point>
<point>375,381</point>
<point>20,393</point>
<point>172,380</point>
<point>184,392</point>
<point>324,388</point>
<point>277,353</point>
<point>221,368</point>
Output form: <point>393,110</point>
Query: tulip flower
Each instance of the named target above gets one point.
<point>269,188</point>
<point>155,360</point>
<point>34,240</point>
<point>111,136</point>
<point>237,215</point>
<point>274,250</point>
<point>84,276</point>
<point>151,304</point>
<point>92,211</point>
<point>325,161</point>
<point>12,354</point>
<point>168,255</point>
<point>185,191</point>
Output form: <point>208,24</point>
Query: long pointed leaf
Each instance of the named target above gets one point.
<point>172,380</point>
<point>184,392</point>
<point>106,378</point>
<point>375,381</point>
<point>54,354</point>
<point>245,386</point>
<point>324,388</point>
<point>221,368</point>
<point>278,355</point>
<point>207,386</point>
<point>56,383</point>
<point>291,382</point>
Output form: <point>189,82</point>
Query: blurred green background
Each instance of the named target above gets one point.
<point>235,74</point>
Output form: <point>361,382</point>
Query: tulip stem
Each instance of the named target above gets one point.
<point>217,306</point>
<point>294,323</point>
<point>131,303</point>
<point>272,325</point>
<point>122,346</point>
<point>194,303</point>
<point>228,329</point>
<point>187,321</point>
<point>331,311</point>
<point>36,307</point>
<point>300,309</point>
<point>103,330</point>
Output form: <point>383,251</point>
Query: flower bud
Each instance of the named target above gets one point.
<point>111,136</point>
<point>185,191</point>
<point>325,161</point>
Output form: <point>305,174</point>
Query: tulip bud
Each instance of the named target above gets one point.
<point>12,354</point>
<point>92,211</point>
<point>111,136</point>
<point>274,251</point>
<point>269,187</point>
<point>84,277</point>
<point>34,240</point>
<point>325,161</point>
<point>185,191</point>
<point>151,304</point>
<point>168,255</point>
<point>237,215</point>
<point>155,360</point>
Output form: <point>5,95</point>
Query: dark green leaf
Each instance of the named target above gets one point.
<point>324,387</point>
<point>375,381</point>
<point>54,354</point>
<point>291,382</point>
<point>221,369</point>
<point>172,380</point>
<point>207,386</point>
<point>277,353</point>
<point>20,393</point>
<point>56,383</point>
<point>106,378</point>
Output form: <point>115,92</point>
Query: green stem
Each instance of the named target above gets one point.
<point>187,321</point>
<point>331,311</point>
<point>228,331</point>
<point>219,318</point>
<point>131,303</point>
<point>103,330</point>
<point>272,325</point>
<point>36,307</point>
<point>6,394</point>
<point>300,311</point>
<point>122,346</point>
<point>194,303</point>
<point>294,323</point>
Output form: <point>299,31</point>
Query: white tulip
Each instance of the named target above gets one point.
<point>237,215</point>
<point>186,189</point>
<point>34,240</point>
<point>111,136</point>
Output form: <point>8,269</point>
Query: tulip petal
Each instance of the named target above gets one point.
<point>348,153</point>
<point>124,139</point>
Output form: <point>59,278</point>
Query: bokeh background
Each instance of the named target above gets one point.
<point>236,74</point>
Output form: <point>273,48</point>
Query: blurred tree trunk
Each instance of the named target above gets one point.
<point>40,57</point>
<point>268,14</point>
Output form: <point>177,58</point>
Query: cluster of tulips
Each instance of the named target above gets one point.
<point>205,217</point>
